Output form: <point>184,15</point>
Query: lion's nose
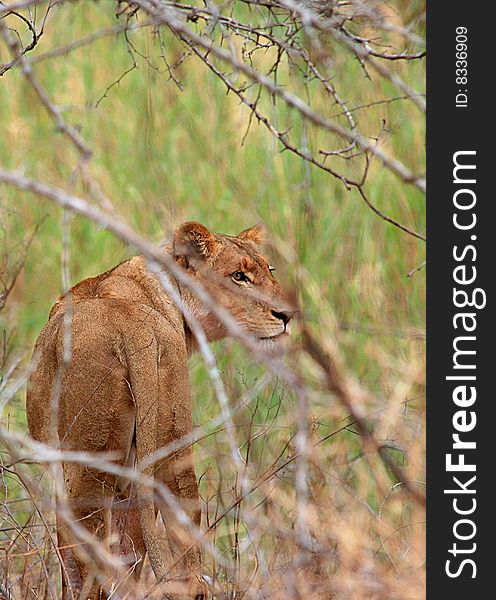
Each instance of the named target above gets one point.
<point>285,316</point>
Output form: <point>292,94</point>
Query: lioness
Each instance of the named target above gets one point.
<point>124,389</point>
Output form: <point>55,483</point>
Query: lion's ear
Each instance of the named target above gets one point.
<point>193,239</point>
<point>256,234</point>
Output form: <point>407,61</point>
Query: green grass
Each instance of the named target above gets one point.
<point>164,156</point>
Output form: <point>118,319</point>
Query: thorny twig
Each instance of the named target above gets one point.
<point>293,41</point>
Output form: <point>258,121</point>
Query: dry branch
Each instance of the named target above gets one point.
<point>257,50</point>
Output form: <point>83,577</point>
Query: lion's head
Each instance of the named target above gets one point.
<point>239,277</point>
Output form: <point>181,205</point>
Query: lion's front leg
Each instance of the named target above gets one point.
<point>185,576</point>
<point>182,513</point>
<point>163,416</point>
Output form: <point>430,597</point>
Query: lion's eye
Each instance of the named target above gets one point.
<point>240,277</point>
<point>271,268</point>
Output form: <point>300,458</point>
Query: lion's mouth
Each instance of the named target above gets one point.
<point>277,335</point>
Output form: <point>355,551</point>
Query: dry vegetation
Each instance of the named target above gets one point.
<point>115,126</point>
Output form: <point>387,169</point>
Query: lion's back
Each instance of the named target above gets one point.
<point>79,366</point>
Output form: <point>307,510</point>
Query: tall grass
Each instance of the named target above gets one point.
<point>165,155</point>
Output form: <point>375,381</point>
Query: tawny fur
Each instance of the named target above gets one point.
<point>125,390</point>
